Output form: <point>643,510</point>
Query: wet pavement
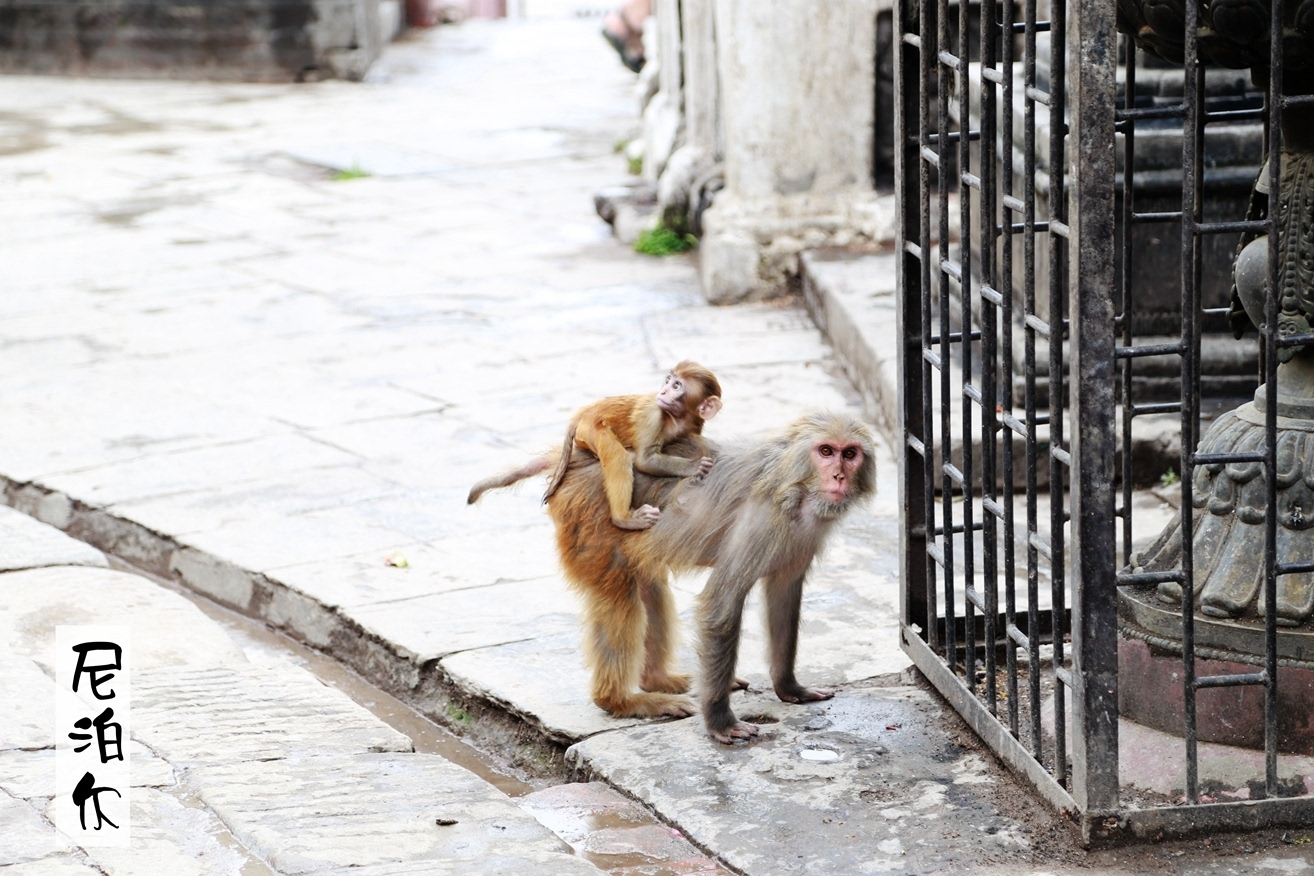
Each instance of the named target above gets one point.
<point>271,387</point>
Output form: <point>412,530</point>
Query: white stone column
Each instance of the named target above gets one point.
<point>699,147</point>
<point>797,103</point>
<point>663,118</point>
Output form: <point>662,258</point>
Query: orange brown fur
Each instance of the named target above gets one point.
<point>627,433</point>
<point>762,513</point>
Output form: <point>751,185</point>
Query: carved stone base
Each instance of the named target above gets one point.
<point>1150,665</point>
<point>1229,510</point>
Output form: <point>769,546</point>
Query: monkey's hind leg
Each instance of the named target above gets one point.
<point>659,640</point>
<point>614,635</point>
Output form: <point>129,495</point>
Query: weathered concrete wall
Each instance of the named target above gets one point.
<point>265,40</point>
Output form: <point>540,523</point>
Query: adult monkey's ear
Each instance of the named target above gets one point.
<point>710,407</point>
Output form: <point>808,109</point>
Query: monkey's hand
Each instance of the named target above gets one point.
<point>705,465</point>
<point>736,731</point>
<point>797,693</point>
<point>642,517</point>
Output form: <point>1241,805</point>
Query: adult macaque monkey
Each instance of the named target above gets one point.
<point>761,513</point>
<point>614,428</point>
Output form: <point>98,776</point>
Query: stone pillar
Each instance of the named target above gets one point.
<point>662,117</point>
<point>797,98</point>
<point>684,179</point>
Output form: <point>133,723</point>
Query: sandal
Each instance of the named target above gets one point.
<point>624,44</point>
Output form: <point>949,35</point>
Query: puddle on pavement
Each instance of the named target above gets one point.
<point>627,842</point>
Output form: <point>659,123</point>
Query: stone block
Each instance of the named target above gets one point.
<point>261,40</point>
<point>27,544</point>
<point>380,814</point>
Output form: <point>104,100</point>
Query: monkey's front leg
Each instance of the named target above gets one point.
<point>784,598</point>
<point>721,612</point>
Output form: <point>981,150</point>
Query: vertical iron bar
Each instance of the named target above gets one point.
<point>908,194</point>
<point>1275,138</point>
<point>965,348</point>
<point>1006,40</point>
<point>1091,280</point>
<point>946,348</point>
<point>989,352</point>
<point>1190,204</point>
<point>927,54</point>
<point>1029,309</point>
<point>1128,299</point>
<point>1058,296</point>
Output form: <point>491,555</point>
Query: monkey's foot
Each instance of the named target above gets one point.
<point>649,705</point>
<point>664,683</point>
<point>735,732</point>
<point>739,683</point>
<point>642,517</point>
<point>799,694</point>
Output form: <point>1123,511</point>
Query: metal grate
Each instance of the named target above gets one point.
<point>1019,385</point>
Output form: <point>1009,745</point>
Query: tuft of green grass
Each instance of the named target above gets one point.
<point>619,146</point>
<point>664,241</point>
<point>1168,478</point>
<point>636,165</point>
<point>353,172</point>
<point>459,716</point>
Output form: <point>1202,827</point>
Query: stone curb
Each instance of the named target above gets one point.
<point>423,685</point>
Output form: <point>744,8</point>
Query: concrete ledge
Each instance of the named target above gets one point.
<point>261,40</point>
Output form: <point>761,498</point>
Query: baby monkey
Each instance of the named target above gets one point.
<point>615,427</point>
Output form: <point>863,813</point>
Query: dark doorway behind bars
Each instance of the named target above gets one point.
<point>1018,283</point>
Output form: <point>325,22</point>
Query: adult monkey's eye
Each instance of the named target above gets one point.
<point>850,452</point>
<point>826,450</point>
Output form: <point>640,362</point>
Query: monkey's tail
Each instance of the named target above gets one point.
<point>563,463</point>
<point>537,465</point>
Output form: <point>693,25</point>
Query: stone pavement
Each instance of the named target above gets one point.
<point>214,731</point>
<point>223,365</point>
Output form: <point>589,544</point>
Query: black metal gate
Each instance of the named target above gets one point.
<point>1028,357</point>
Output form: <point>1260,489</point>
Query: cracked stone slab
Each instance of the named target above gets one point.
<point>30,774</point>
<point>874,764</point>
<point>175,835</point>
<point>167,630</point>
<point>25,835</point>
<point>27,702</point>
<point>199,715</point>
<point>431,567</point>
<point>378,814</point>
<point>60,865</point>
<point>27,543</point>
<point>543,679</point>
<point>445,623</point>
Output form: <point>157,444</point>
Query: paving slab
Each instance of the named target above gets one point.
<point>26,543</point>
<point>353,812</point>
<point>62,865</point>
<point>30,773</point>
<point>167,630</point>
<point>203,715</point>
<point>27,700</point>
<point>171,836</point>
<point>25,835</point>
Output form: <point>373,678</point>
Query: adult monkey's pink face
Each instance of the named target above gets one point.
<point>836,462</point>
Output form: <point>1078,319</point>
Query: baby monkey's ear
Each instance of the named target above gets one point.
<point>710,407</point>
